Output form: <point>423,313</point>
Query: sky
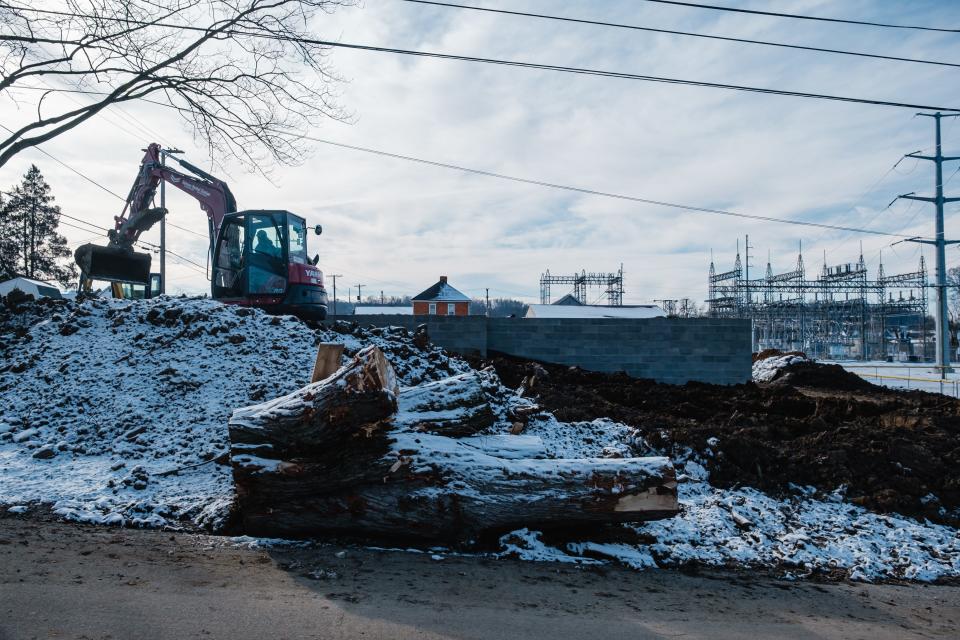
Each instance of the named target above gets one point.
<point>396,226</point>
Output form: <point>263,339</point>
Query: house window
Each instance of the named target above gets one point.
<point>451,309</point>
<point>433,308</point>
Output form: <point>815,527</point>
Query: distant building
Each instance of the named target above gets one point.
<point>569,300</point>
<point>382,310</point>
<point>577,310</point>
<point>441,299</point>
<point>36,288</point>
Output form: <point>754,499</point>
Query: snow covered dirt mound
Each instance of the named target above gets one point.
<point>115,411</point>
<point>767,369</point>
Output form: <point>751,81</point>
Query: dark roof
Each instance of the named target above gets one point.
<point>441,292</point>
<point>569,300</point>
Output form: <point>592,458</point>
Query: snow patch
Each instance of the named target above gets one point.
<point>766,370</point>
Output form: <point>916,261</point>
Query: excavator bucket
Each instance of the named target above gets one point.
<point>113,264</point>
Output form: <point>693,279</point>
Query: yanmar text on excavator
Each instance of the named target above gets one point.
<point>259,257</point>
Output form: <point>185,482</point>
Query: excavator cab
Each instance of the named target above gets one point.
<point>260,259</point>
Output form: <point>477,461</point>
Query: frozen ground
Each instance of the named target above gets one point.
<point>115,412</point>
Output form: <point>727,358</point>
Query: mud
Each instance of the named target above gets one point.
<point>814,425</point>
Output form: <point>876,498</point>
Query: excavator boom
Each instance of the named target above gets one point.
<point>118,262</point>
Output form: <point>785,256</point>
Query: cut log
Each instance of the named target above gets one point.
<point>438,488</point>
<point>328,459</point>
<point>456,406</point>
<point>321,418</point>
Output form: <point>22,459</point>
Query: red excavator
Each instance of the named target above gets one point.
<point>259,257</point>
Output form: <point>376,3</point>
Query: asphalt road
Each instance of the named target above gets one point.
<point>70,581</point>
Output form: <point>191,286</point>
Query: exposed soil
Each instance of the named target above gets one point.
<point>813,425</point>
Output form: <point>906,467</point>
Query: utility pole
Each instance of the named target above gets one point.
<point>942,323</point>
<point>163,222</point>
<point>359,294</point>
<point>381,297</point>
<point>335,276</point>
<point>488,302</point>
<point>746,280</point>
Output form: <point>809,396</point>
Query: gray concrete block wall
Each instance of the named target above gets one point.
<point>460,334</point>
<point>673,350</point>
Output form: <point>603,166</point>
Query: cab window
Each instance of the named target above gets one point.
<point>297,243</point>
<point>267,236</point>
<point>229,260</point>
<point>268,265</point>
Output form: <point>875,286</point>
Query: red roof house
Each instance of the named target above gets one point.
<point>441,299</point>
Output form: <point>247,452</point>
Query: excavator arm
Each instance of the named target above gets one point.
<point>118,262</point>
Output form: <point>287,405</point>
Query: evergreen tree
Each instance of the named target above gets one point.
<point>30,221</point>
<point>9,249</point>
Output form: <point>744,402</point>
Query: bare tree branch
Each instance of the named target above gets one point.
<point>238,72</point>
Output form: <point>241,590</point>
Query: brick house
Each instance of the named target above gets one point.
<point>441,299</point>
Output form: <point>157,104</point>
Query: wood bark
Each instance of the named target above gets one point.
<point>456,406</point>
<point>334,457</point>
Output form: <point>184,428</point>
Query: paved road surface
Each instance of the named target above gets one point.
<point>71,581</point>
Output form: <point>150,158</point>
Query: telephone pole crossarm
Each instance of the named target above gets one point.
<point>908,196</point>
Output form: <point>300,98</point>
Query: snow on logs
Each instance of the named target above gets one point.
<point>336,457</point>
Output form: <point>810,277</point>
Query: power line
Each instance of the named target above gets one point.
<point>628,76</point>
<point>73,226</point>
<point>604,194</point>
<point>85,177</point>
<point>202,269</point>
<point>795,16</point>
<point>633,27</point>
<point>95,226</point>
<point>526,65</point>
<point>876,214</point>
<point>113,193</point>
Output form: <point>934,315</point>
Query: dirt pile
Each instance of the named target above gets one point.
<point>815,425</point>
<point>103,402</point>
<point>827,377</point>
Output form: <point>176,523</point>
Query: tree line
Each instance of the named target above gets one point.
<point>30,245</point>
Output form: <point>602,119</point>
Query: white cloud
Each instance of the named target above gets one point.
<point>397,225</point>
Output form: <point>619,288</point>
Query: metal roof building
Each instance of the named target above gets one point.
<point>36,288</point>
<point>593,311</point>
<point>382,310</point>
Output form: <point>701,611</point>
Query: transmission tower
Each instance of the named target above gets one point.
<point>610,283</point>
